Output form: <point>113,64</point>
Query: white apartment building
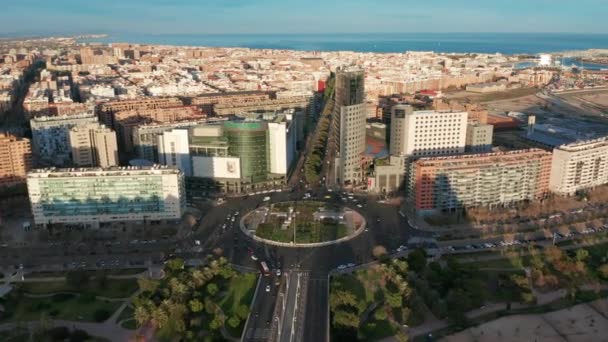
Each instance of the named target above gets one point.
<point>93,145</point>
<point>579,166</point>
<point>427,133</point>
<point>281,146</point>
<point>94,195</point>
<point>174,150</point>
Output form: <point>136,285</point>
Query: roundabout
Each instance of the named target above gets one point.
<point>302,224</point>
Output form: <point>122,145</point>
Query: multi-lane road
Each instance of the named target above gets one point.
<point>306,303</point>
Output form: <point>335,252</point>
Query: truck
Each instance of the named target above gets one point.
<point>264,268</point>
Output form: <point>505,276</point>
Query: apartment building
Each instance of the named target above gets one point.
<point>50,137</point>
<point>15,159</point>
<point>93,145</point>
<point>479,138</point>
<point>106,110</point>
<point>97,195</point>
<point>579,166</point>
<point>488,179</point>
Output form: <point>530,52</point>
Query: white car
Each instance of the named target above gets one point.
<point>253,257</point>
<point>267,288</point>
<point>266,199</point>
<point>278,273</point>
<point>342,267</point>
<point>349,265</point>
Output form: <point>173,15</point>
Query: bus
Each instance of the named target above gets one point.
<point>264,268</point>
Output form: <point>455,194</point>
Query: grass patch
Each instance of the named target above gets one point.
<point>65,307</point>
<point>112,288</point>
<point>375,330</point>
<point>240,293</point>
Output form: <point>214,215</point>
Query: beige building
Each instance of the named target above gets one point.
<point>15,159</point>
<point>479,138</point>
<point>93,145</point>
<point>350,114</point>
<point>579,166</point>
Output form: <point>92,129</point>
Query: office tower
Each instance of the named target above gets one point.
<point>15,159</point>
<point>145,137</point>
<point>479,138</point>
<point>349,116</point>
<point>95,195</point>
<point>174,150</point>
<point>281,146</point>
<point>50,137</point>
<point>487,179</point>
<point>579,166</point>
<point>93,145</point>
<point>427,132</point>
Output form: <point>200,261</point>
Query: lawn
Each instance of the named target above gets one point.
<point>240,292</point>
<point>112,288</point>
<point>307,229</point>
<point>65,307</point>
<point>375,330</point>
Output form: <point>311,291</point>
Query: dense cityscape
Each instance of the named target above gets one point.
<point>179,193</point>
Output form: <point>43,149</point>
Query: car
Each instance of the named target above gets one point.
<point>253,257</point>
<point>401,248</point>
<point>236,213</point>
<point>349,265</point>
<point>278,272</point>
<point>267,288</point>
<point>342,267</point>
<point>266,199</point>
<point>359,206</point>
<point>197,242</point>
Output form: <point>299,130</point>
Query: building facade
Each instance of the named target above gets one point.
<point>579,166</point>
<point>174,150</point>
<point>93,145</point>
<point>15,159</point>
<point>96,195</point>
<point>50,137</point>
<point>479,138</point>
<point>427,133</point>
<point>350,119</point>
<point>489,179</point>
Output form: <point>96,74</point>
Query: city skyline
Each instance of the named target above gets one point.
<point>293,17</point>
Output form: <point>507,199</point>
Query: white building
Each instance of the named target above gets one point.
<point>174,150</point>
<point>427,133</point>
<point>579,166</point>
<point>95,195</point>
<point>281,146</point>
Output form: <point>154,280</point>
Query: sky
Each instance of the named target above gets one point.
<point>300,16</point>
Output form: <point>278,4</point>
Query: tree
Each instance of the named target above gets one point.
<point>346,319</point>
<point>417,260</point>
<point>216,323</point>
<point>147,284</point>
<point>394,299</point>
<point>380,314</point>
<point>175,265</point>
<point>141,315</point>
<point>212,289</point>
<point>582,255</point>
<point>603,271</point>
<point>379,251</point>
<point>234,321</point>
<point>242,311</point>
<point>196,305</point>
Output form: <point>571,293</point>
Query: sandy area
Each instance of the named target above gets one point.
<point>580,323</point>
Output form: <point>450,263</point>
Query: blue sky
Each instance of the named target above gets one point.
<point>301,16</point>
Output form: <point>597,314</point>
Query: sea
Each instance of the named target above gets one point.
<point>505,43</point>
